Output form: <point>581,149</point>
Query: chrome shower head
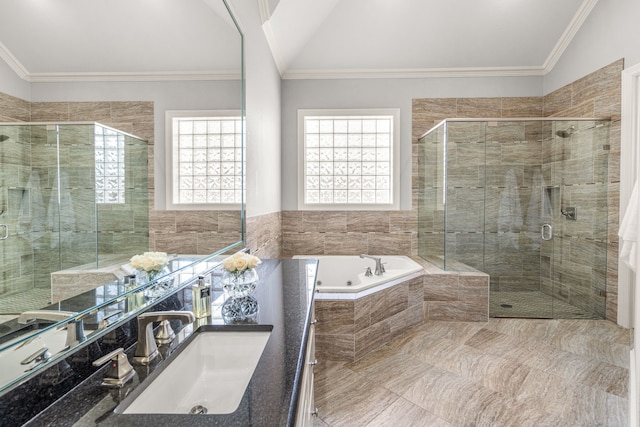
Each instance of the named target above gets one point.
<point>566,133</point>
<point>3,138</point>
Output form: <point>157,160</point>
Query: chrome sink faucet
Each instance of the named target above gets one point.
<point>378,260</point>
<point>147,349</point>
<point>75,327</point>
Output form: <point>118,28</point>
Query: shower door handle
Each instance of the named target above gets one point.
<point>6,231</point>
<point>546,232</point>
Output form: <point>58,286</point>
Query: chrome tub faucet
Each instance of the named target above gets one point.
<point>378,260</point>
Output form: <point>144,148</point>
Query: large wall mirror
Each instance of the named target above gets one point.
<point>58,214</point>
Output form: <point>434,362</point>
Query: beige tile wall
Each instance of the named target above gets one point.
<point>349,329</point>
<point>349,232</point>
<point>595,95</point>
<point>264,235</point>
<point>599,95</point>
<point>191,232</point>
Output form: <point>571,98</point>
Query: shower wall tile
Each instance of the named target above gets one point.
<point>479,107</point>
<point>90,111</point>
<point>522,107</point>
<point>598,95</point>
<point>557,101</point>
<point>505,132</point>
<point>603,82</point>
<point>14,109</point>
<point>526,153</point>
<point>50,111</point>
<point>428,112</point>
<point>613,217</point>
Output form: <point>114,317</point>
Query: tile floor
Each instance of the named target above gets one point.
<point>505,372</point>
<point>534,304</point>
<point>32,299</point>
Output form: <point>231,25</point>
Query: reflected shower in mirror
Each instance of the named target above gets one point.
<point>62,209</point>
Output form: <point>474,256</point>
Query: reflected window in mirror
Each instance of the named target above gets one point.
<point>110,165</point>
<point>205,161</point>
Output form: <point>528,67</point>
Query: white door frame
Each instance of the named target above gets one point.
<point>628,282</point>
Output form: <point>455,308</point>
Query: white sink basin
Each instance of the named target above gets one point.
<point>213,372</point>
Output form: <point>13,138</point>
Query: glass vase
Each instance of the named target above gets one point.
<point>239,284</point>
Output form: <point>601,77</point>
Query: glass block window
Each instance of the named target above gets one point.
<point>348,159</point>
<point>109,161</point>
<point>207,160</point>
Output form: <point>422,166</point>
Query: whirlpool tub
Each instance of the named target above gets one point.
<point>343,277</point>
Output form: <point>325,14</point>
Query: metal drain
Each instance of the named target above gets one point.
<point>506,306</point>
<point>198,409</point>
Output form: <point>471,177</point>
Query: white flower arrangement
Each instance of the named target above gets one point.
<point>240,262</point>
<point>151,262</point>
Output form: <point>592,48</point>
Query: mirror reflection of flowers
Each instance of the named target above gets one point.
<point>240,262</point>
<point>151,262</point>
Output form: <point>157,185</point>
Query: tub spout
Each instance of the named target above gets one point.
<point>378,260</point>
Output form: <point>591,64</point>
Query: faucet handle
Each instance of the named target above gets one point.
<point>165,333</point>
<point>40,356</point>
<point>119,372</point>
<point>367,272</point>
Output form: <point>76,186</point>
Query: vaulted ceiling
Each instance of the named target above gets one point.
<point>76,39</point>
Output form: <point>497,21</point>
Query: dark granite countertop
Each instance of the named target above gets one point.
<point>284,295</point>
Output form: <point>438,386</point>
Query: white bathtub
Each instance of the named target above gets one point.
<point>343,277</point>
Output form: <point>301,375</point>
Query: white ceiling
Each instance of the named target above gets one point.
<point>45,40</point>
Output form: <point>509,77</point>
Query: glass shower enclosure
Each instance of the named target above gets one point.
<point>72,196</point>
<point>525,201</point>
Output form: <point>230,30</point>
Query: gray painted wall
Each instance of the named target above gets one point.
<point>11,84</point>
<point>182,95</point>
<point>610,32</point>
<point>380,93</point>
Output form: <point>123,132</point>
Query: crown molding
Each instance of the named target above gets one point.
<point>569,33</point>
<point>414,73</point>
<point>273,47</point>
<point>265,14</point>
<point>13,63</point>
<point>131,77</point>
